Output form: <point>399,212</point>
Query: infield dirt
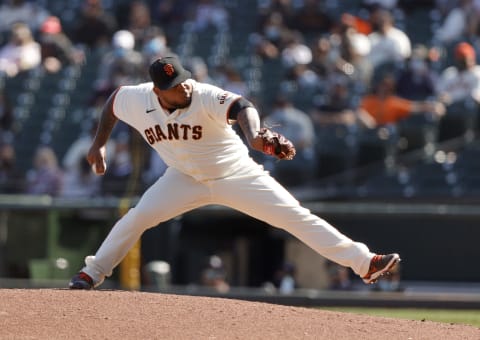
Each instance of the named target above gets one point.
<point>106,314</point>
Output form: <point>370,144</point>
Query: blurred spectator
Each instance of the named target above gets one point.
<point>210,13</point>
<point>56,48</point>
<point>167,12</point>
<point>386,107</point>
<point>388,43</point>
<point>155,168</point>
<point>21,53</point>
<point>11,178</point>
<point>324,59</point>
<point>155,44</point>
<point>455,24</point>
<point>417,80</point>
<point>445,6</point>
<point>138,21</point>
<point>339,107</point>
<point>120,169</point>
<point>284,7</point>
<point>45,177</point>
<point>285,280</point>
<point>338,276</point>
<point>301,81</point>
<point>297,126</point>
<point>122,65</point>
<point>230,79</point>
<point>199,69</point>
<point>79,179</point>
<point>338,120</point>
<point>295,50</point>
<point>460,81</point>
<point>79,148</point>
<point>473,25</point>
<point>311,18</point>
<point>94,105</point>
<point>94,26</point>
<point>29,12</point>
<point>269,41</point>
<point>351,52</point>
<point>214,275</point>
<point>359,23</point>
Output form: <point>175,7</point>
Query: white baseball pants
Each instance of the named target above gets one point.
<point>258,195</point>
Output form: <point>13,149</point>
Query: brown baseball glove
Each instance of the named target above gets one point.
<point>277,145</point>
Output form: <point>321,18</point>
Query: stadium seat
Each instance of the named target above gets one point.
<point>378,146</point>
<point>417,132</point>
<point>418,26</point>
<point>467,170</point>
<point>386,185</point>
<point>433,180</point>
<point>335,148</point>
<point>460,120</point>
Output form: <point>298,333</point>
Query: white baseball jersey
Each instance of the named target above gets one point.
<point>197,140</point>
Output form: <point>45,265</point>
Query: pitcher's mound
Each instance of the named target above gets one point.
<point>103,314</point>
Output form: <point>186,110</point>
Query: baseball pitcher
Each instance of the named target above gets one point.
<point>189,124</point>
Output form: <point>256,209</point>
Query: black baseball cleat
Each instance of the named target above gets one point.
<point>379,266</point>
<point>81,281</point>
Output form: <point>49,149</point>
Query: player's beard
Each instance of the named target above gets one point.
<point>185,103</point>
<point>177,103</point>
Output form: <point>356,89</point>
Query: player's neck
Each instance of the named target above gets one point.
<point>166,107</point>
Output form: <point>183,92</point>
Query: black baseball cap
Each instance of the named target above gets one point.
<point>167,72</point>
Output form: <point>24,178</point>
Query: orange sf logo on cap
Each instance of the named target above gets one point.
<point>169,70</point>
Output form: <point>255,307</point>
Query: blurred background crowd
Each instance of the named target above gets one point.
<point>379,97</point>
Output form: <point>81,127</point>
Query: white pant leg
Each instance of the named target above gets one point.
<point>262,197</point>
<point>171,195</point>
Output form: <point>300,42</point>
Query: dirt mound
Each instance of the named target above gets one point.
<point>104,314</point>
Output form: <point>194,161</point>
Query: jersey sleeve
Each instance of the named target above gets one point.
<point>218,102</point>
<point>127,103</point>
<point>120,103</point>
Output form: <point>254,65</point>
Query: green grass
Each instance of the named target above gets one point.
<point>459,316</point>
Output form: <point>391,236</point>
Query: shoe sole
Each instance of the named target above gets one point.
<point>375,276</point>
<point>79,286</point>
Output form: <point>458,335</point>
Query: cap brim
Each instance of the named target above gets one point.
<point>177,80</point>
